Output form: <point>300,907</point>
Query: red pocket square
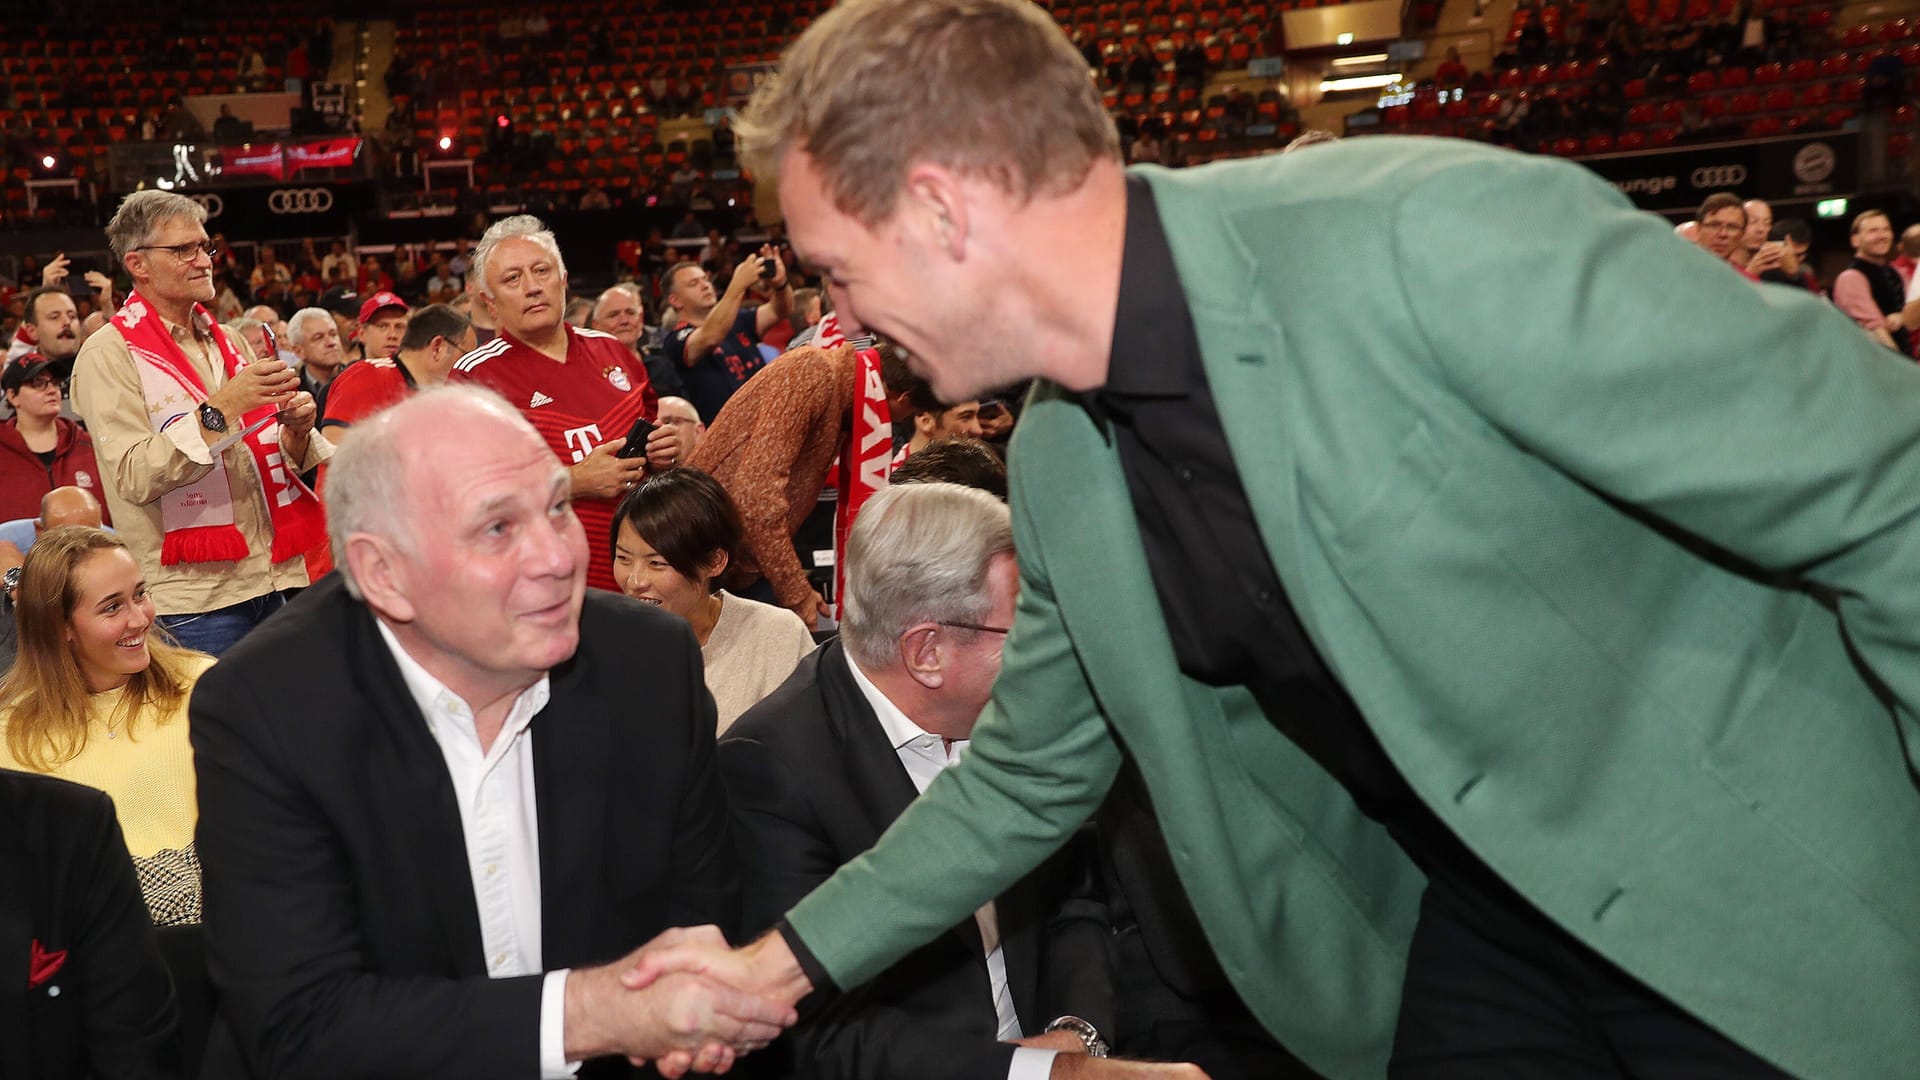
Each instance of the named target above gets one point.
<point>43,965</point>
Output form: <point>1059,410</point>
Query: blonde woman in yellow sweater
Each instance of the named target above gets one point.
<point>96,696</point>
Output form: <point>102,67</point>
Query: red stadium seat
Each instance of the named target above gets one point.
<point>1764,127</point>
<point>1641,114</point>
<point>1632,140</point>
<point>1599,144</point>
<point>1733,78</point>
<point>1768,74</point>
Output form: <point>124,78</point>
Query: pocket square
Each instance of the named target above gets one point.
<point>42,964</point>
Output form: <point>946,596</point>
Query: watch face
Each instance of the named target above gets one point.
<point>213,419</point>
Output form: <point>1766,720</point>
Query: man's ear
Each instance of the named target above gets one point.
<point>939,201</point>
<point>921,654</point>
<point>380,571</point>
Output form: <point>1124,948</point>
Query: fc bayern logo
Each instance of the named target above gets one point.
<point>618,377</point>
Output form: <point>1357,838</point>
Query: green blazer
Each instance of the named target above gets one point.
<point>1617,552</point>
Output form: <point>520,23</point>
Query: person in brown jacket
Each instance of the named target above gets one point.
<point>771,448</point>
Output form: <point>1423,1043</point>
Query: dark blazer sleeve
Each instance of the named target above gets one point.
<point>128,998</point>
<point>865,1034</point>
<point>284,946</point>
<point>1078,974</point>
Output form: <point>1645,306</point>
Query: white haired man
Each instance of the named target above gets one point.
<point>314,336</point>
<point>200,448</point>
<point>581,389</point>
<point>418,864</point>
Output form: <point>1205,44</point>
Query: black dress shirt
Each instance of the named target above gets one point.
<point>1225,608</point>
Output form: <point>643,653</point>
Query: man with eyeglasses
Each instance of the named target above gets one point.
<point>581,389</point>
<point>820,768</point>
<point>195,436</point>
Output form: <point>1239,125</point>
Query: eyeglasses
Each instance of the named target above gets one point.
<point>184,252</point>
<point>977,626</point>
<point>39,382</point>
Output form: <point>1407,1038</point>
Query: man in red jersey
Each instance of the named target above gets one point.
<point>434,339</point>
<point>581,389</point>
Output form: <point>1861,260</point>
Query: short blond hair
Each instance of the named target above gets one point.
<point>989,88</point>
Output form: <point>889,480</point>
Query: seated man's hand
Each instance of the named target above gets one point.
<point>680,1019</point>
<point>766,967</point>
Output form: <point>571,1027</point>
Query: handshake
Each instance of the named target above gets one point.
<point>687,1001</point>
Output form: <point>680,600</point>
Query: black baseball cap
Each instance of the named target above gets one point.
<point>22,369</point>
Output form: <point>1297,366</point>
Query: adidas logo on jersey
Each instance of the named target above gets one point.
<point>539,399</point>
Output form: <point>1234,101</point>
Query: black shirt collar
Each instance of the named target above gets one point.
<point>1155,353</point>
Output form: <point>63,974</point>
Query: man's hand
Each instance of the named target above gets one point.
<point>682,1020</point>
<point>102,286</point>
<point>747,274</point>
<point>766,967</point>
<point>601,475</point>
<point>55,271</point>
<point>663,448</point>
<point>1766,257</point>
<point>811,608</point>
<point>263,382</point>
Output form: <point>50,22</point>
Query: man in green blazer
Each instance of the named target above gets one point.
<point>1514,615</point>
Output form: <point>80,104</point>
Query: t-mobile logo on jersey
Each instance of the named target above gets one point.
<point>582,440</point>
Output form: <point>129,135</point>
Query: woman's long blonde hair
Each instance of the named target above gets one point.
<point>43,700</point>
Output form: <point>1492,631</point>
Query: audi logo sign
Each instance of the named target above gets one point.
<point>214,205</point>
<point>1719,176</point>
<point>300,201</point>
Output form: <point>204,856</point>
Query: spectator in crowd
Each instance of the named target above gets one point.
<point>579,312</point>
<point>50,326</point>
<point>270,279</point>
<point>1759,225</point>
<point>436,337</point>
<point>218,533</point>
<point>314,335</point>
<point>444,284</point>
<point>383,321</point>
<point>807,311</point>
<point>470,876</point>
<point>680,413</point>
<point>715,346</point>
<point>772,445</point>
<point>1210,592</point>
<point>675,537</point>
<point>620,312</point>
<point>336,260</point>
<point>373,277</point>
<point>932,419</point>
<point>1720,227</point>
<point>1451,72</point>
<point>820,769</point>
<point>967,462</point>
<point>1796,242</point>
<point>39,449</point>
<point>99,696</point>
<point>89,993</point>
<point>581,389</point>
<point>1908,249</point>
<point>1870,290</point>
<point>60,507</point>
<point>227,128</point>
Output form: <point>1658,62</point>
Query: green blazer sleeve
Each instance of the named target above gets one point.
<point>1040,761</point>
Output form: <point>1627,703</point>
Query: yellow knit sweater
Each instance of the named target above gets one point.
<point>149,775</point>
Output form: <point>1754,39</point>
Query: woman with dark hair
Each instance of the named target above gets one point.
<point>673,539</point>
<point>97,695</point>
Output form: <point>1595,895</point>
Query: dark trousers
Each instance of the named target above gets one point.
<point>1536,1003</point>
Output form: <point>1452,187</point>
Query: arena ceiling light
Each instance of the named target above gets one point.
<point>1358,82</point>
<point>1357,61</point>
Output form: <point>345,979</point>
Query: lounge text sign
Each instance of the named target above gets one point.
<point>1819,166</point>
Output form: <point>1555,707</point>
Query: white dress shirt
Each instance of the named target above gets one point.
<point>924,755</point>
<point>499,817</point>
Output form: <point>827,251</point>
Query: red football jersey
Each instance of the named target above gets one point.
<point>364,388</point>
<point>592,398</point>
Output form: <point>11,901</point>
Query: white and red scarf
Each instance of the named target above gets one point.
<point>864,464</point>
<point>197,518</point>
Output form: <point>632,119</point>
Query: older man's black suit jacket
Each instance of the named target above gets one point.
<point>814,781</point>
<point>343,932</point>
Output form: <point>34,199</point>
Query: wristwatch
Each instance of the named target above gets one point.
<point>10,580</point>
<point>211,418</point>
<point>1096,1046</point>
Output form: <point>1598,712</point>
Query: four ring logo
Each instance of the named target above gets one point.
<point>1719,176</point>
<point>311,200</point>
<point>213,204</point>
